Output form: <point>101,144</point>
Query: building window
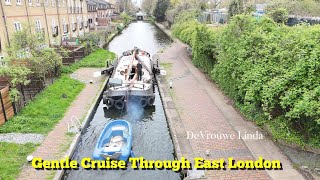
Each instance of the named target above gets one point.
<point>65,26</point>
<point>38,2</point>
<point>17,26</point>
<point>53,22</point>
<point>7,1</point>
<point>30,2</point>
<point>53,3</point>
<point>38,25</point>
<point>59,3</point>
<point>18,2</point>
<point>46,2</point>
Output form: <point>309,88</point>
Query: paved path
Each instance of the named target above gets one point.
<point>52,146</point>
<point>203,108</point>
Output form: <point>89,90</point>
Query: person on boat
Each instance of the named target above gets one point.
<point>139,68</point>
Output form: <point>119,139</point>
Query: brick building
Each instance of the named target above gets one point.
<point>56,19</point>
<point>99,13</point>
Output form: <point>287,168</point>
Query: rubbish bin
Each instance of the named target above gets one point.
<point>77,41</point>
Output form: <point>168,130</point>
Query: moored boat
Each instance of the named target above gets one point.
<point>115,141</point>
<point>132,78</point>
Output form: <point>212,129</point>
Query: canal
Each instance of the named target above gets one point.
<point>151,137</point>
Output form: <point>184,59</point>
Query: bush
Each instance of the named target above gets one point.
<point>279,15</point>
<point>126,18</point>
<point>204,48</point>
<point>271,71</point>
<point>185,31</point>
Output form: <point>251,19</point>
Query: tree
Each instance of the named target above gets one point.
<point>160,10</point>
<point>28,57</point>
<point>236,7</point>
<point>128,7</point>
<point>126,18</point>
<point>214,4</point>
<point>297,7</point>
<point>279,15</point>
<point>148,6</point>
<point>16,75</point>
<point>180,7</point>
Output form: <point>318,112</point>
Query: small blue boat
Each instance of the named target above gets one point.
<point>115,141</point>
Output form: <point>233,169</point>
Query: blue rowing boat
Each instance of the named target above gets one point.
<point>115,141</point>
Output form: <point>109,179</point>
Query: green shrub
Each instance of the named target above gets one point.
<point>204,48</point>
<point>279,15</point>
<point>185,31</point>
<point>271,71</point>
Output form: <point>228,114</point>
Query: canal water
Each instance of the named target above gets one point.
<point>151,137</point>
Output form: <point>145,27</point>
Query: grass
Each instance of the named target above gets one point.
<point>97,59</point>
<point>44,112</point>
<point>13,157</point>
<point>48,108</point>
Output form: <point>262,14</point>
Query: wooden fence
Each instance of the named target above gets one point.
<point>73,53</point>
<point>6,109</point>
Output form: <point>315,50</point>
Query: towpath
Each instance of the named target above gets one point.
<point>195,106</point>
<point>58,141</point>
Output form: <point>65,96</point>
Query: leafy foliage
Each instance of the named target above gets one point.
<point>279,15</point>
<point>16,75</point>
<point>160,10</point>
<point>236,7</point>
<point>27,56</point>
<point>297,7</point>
<point>182,11</point>
<point>271,71</point>
<point>91,41</point>
<point>126,18</point>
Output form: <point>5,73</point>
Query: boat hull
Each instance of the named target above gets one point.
<point>115,141</point>
<point>127,81</point>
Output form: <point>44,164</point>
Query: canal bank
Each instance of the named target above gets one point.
<point>151,136</point>
<point>58,140</point>
<point>199,106</point>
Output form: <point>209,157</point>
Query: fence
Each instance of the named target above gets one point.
<point>6,109</point>
<point>73,53</point>
<point>28,92</point>
<point>213,17</point>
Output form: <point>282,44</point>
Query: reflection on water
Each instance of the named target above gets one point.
<point>143,35</point>
<point>151,138</point>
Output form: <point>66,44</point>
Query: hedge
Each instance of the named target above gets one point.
<point>271,71</point>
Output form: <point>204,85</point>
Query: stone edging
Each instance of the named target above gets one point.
<point>292,145</point>
<point>174,138</point>
<point>84,124</point>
